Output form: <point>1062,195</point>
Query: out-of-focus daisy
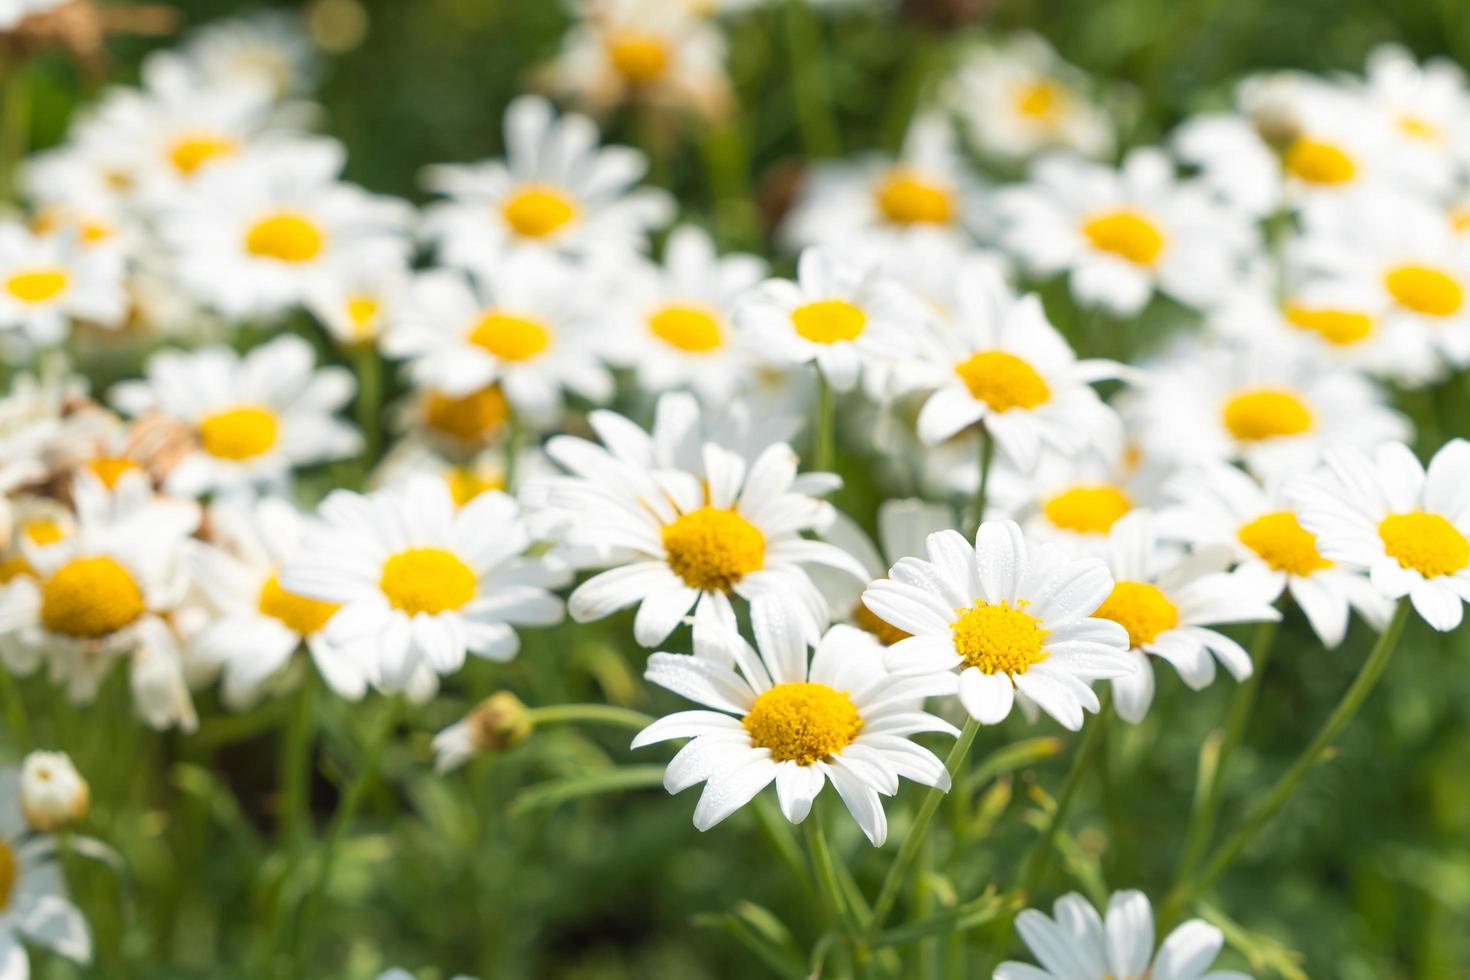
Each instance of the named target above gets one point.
<point>555,190</point>
<point>1075,943</point>
<point>419,583</point>
<point>1424,107</point>
<point>1234,161</point>
<point>1409,528</point>
<point>1219,506</point>
<point>267,50</point>
<point>256,416</point>
<point>33,890</point>
<point>49,282</point>
<point>523,325</point>
<point>1274,411</point>
<point>926,191</point>
<point>1123,234</point>
<point>257,236</point>
<point>1337,146</point>
<point>52,792</point>
<point>841,313</point>
<point>360,303</point>
<point>1166,600</point>
<point>798,720</point>
<point>1019,98</point>
<point>998,362</point>
<point>1013,620</point>
<point>498,722</point>
<point>674,320</point>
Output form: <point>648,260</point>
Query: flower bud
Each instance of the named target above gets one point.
<point>52,792</point>
<point>499,722</point>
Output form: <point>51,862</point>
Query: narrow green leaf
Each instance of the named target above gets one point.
<point>559,791</point>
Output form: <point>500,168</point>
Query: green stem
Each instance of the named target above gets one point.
<point>897,872</point>
<point>1039,860</point>
<point>1351,703</point>
<point>294,766</point>
<point>15,123</point>
<point>369,365</point>
<point>515,437</point>
<point>809,82</point>
<point>825,453</point>
<point>825,871</point>
<point>601,714</point>
<point>15,709</point>
<point>982,486</point>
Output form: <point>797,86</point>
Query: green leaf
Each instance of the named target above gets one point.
<point>962,918</point>
<point>559,791</point>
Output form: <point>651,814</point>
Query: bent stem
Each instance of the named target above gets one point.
<point>910,847</point>
<point>1352,701</point>
<point>601,714</point>
<point>1039,860</point>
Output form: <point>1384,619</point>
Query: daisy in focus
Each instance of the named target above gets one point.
<point>1407,526</point>
<point>48,283</point>
<point>781,714</point>
<point>1013,620</point>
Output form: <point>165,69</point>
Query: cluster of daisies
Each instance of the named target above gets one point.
<point>1052,522</point>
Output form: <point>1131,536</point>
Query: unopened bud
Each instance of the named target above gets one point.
<point>496,724</point>
<point>52,792</point>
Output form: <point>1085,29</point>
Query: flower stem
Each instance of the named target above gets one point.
<point>603,714</point>
<point>987,456</point>
<point>1352,701</point>
<point>1039,860</point>
<point>294,766</point>
<point>897,872</point>
<point>15,122</point>
<point>825,871</point>
<point>824,455</point>
<point>809,82</point>
<point>369,367</point>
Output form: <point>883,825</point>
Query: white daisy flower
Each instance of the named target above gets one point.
<point>524,325</point>
<point>33,891</point>
<point>257,236</point>
<point>266,50</point>
<point>49,282</point>
<point>363,301</point>
<point>1219,506</point>
<point>1012,619</point>
<point>673,321</point>
<point>842,313</point>
<point>1123,234</point>
<point>1337,145</point>
<point>1233,160</point>
<point>1261,405</point>
<point>1075,943</point>
<point>1166,600</point>
<point>1000,363</point>
<point>1409,528</point>
<point>556,190</point>
<point>420,584</point>
<point>257,624</point>
<point>798,720</point>
<point>1018,98</point>
<point>1424,107</point>
<point>256,416</point>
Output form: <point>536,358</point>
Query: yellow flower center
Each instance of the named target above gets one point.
<point>9,871</point>
<point>1339,327</point>
<point>14,566</point>
<point>1002,381</point>
<point>713,548</point>
<point>509,337</point>
<point>239,433</point>
<point>110,469</point>
<point>1087,509</point>
<point>190,152</point>
<point>1425,290</point>
<point>538,212</point>
<point>362,315</point>
<point>638,57</point>
<point>300,614</point>
<point>472,418</point>
<point>865,619</point>
<point>37,285</point>
<point>286,236</point>
<point>89,598</point>
<point>1283,543</point>
<point>1040,99</point>
<point>1317,162</point>
<point>906,198</point>
<point>427,580</point>
<point>829,321</point>
<point>1419,128</point>
<point>1425,543</point>
<point>1126,233</point>
<point>43,531</point>
<point>1141,609</point>
<point>465,484</point>
<point>688,328</point>
<point>1266,413</point>
<point>999,638</point>
<point>802,722</point>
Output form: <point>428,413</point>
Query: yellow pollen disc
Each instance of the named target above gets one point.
<point>1338,327</point>
<point>1040,99</point>
<point>427,580</point>
<point>89,598</point>
<point>1265,413</point>
<point>1087,509</point>
<point>906,198</point>
<point>1318,163</point>
<point>510,338</point>
<point>1419,128</point>
<point>1425,290</point>
<point>829,321</point>
<point>9,871</point>
<point>537,212</point>
<point>37,285</point>
<point>13,567</point>
<point>286,236</point>
<point>1131,235</point>
<point>802,722</point>
<point>465,484</point>
<point>865,619</point>
<point>1460,219</point>
<point>44,532</point>
<point>999,638</point>
<point>110,469</point>
<point>362,316</point>
<point>712,548</point>
<point>638,57</point>
<point>472,418</point>
<point>1002,381</point>
<point>688,328</point>
<point>239,433</point>
<point>1425,543</point>
<point>189,153</point>
<point>1141,609</point>
<point>1283,543</point>
<point>300,614</point>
